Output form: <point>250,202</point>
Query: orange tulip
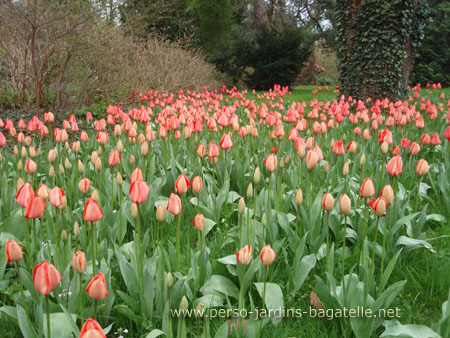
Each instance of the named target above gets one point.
<point>226,142</point>
<point>174,204</point>
<point>96,288</point>
<point>79,262</point>
<point>338,148</point>
<point>43,192</point>
<point>378,205</point>
<point>267,255</point>
<point>213,150</point>
<point>36,207</point>
<point>311,159</point>
<point>388,194</point>
<point>201,150</point>
<point>92,211</point>
<point>422,167</point>
<point>46,278</point>
<point>92,329</point>
<point>197,184</point>
<point>328,202</point>
<point>244,255</point>
<point>345,204</point>
<point>139,192</point>
<point>13,251</point>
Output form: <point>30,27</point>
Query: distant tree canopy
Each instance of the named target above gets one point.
<point>432,63</point>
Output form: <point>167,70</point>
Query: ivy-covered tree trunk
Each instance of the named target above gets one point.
<point>376,40</point>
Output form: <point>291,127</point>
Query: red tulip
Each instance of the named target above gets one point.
<point>139,192</point>
<point>36,207</point>
<point>114,158</point>
<point>91,329</point>
<point>213,150</point>
<point>13,251</point>
<point>136,175</point>
<point>267,255</point>
<point>435,140</point>
<point>447,133</point>
<point>244,255</point>
<point>182,184</point>
<point>199,221</point>
<point>395,166</point>
<point>378,205</point>
<point>338,148</point>
<point>92,211</point>
<point>426,139</point>
<point>367,188</point>
<point>201,150</point>
<point>84,185</point>
<point>174,204</point>
<point>226,142</point>
<point>56,197</point>
<point>46,278</point>
<point>24,195</point>
<point>96,288</point>
<point>414,148</point>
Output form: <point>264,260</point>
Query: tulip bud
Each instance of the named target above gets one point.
<point>257,175</point>
<point>76,229</point>
<point>184,303</point>
<point>63,204</point>
<point>169,280</point>
<point>80,166</point>
<point>282,163</point>
<point>96,288</point>
<point>160,213</point>
<point>362,160</point>
<point>19,165</point>
<point>199,310</point>
<point>345,168</point>
<point>13,251</point>
<point>23,152</point>
<point>51,171</point>
<point>244,255</point>
<point>20,183</point>
<point>119,179</point>
<point>287,159</point>
<point>61,169</point>
<point>241,206</point>
<point>378,205</point>
<point>267,255</point>
<point>134,210</point>
<point>52,154</point>
<point>67,163</point>
<point>367,188</point>
<point>64,235</point>
<point>144,149</point>
<point>98,164</point>
<point>328,202</point>
<point>100,151</point>
<point>94,156</point>
<point>311,159</point>
<point>301,151</point>
<point>199,222</point>
<point>326,167</point>
<point>250,190</point>
<point>16,151</point>
<point>119,146</point>
<point>197,184</point>
<point>299,196</point>
<point>95,194</point>
<point>388,194</point>
<point>345,204</point>
<point>384,147</point>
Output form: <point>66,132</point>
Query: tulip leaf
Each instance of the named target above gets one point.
<point>207,227</point>
<point>209,301</point>
<point>155,333</point>
<point>220,284</point>
<point>302,269</point>
<point>10,311</point>
<point>413,243</point>
<point>231,259</point>
<point>273,300</point>
<point>24,323</point>
<point>60,326</point>
<point>395,329</point>
<point>222,332</point>
<point>387,272</point>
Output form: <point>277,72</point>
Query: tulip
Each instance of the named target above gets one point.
<point>379,205</point>
<point>257,175</point>
<point>271,163</point>
<point>92,211</point>
<point>267,255</point>
<point>56,196</point>
<point>197,184</point>
<point>345,204</point>
<point>43,192</point>
<point>182,184</point>
<point>250,190</point>
<point>96,288</point>
<point>338,148</point>
<point>13,251</point>
<point>311,159</point>
<point>226,142</point>
<point>36,207</point>
<point>136,175</point>
<point>199,221</point>
<point>84,185</point>
<point>327,202</point>
<point>174,204</point>
<point>395,166</point>
<point>201,150</point>
<point>139,192</point>
<point>422,168</point>
<point>352,147</point>
<point>24,195</point>
<point>299,197</point>
<point>92,329</point>
<point>244,255</point>
<point>367,188</point>
<point>114,158</point>
<point>45,278</point>
<point>388,194</point>
<point>79,262</point>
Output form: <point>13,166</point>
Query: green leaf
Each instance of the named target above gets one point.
<point>24,324</point>
<point>231,260</point>
<point>222,332</point>
<point>60,326</point>
<point>302,270</point>
<point>409,331</point>
<point>387,272</point>
<point>273,300</point>
<point>413,243</point>
<point>155,333</point>
<point>221,284</point>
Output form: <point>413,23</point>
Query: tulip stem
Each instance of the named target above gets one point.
<point>269,213</point>
<point>178,241</point>
<point>241,300</point>
<point>384,241</point>
<point>254,202</point>
<point>33,229</point>
<point>364,234</point>
<point>94,266</point>
<point>265,283</point>
<point>168,313</point>
<point>416,205</point>
<point>48,317</point>
<point>240,229</point>
<point>80,293</point>
<point>21,284</point>
<point>375,246</point>
<point>248,224</point>
<point>138,247</point>
<point>343,253</point>
<point>328,236</point>
<point>95,308</point>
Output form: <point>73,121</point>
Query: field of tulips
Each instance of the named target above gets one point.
<point>229,214</point>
